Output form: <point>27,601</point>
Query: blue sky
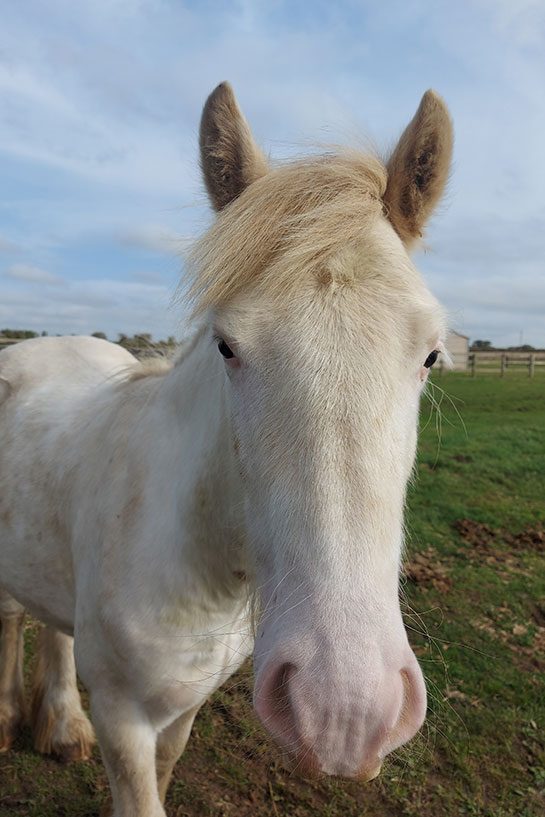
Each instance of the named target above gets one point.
<point>99,110</point>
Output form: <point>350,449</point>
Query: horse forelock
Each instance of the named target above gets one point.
<point>287,227</point>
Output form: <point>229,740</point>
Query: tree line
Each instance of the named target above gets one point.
<point>142,340</point>
<point>486,346</point>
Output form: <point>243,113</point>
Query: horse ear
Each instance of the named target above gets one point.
<point>230,159</point>
<point>418,168</point>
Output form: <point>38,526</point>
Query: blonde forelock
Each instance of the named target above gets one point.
<point>285,227</point>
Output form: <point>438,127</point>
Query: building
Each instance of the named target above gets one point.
<point>458,349</point>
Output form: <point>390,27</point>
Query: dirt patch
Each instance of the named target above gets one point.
<point>531,659</point>
<point>483,543</point>
<point>504,552</point>
<point>531,538</point>
<point>481,536</point>
<point>477,534</point>
<point>538,613</point>
<point>498,548</point>
<point>524,639</point>
<point>425,570</point>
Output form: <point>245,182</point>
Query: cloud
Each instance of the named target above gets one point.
<point>32,275</point>
<point>522,21</point>
<point>154,237</point>
<point>94,305</point>
<point>147,277</point>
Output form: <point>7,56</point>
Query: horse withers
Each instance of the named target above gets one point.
<point>164,518</point>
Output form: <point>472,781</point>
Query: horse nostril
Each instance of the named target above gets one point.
<point>411,713</point>
<point>273,705</point>
<point>414,695</point>
<point>280,690</point>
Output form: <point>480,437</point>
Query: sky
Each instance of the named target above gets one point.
<point>100,103</point>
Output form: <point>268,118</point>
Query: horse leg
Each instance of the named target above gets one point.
<point>12,694</point>
<point>127,742</point>
<point>59,723</point>
<point>170,745</point>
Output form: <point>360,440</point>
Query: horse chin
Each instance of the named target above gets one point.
<point>307,766</point>
<point>368,773</point>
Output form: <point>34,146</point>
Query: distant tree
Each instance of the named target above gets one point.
<point>143,339</point>
<point>165,344</point>
<point>100,335</point>
<point>18,333</point>
<point>44,334</point>
<point>481,344</point>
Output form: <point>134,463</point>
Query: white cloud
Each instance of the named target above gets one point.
<point>146,277</point>
<point>32,275</point>
<point>154,237</point>
<point>94,305</point>
<point>522,21</point>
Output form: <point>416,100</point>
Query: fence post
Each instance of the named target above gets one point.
<point>531,365</point>
<point>503,365</point>
<point>473,364</point>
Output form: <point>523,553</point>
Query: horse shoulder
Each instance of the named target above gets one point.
<point>48,387</point>
<point>66,359</point>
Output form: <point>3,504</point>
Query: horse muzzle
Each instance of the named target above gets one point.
<point>339,717</point>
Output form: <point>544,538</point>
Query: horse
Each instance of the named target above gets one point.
<point>165,521</point>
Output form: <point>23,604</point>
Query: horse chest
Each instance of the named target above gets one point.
<point>172,658</point>
<point>184,670</point>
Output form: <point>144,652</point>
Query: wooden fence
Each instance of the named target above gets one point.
<point>502,363</point>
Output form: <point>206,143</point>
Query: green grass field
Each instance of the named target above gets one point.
<point>474,599</point>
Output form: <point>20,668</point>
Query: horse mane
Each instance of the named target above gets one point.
<point>286,226</point>
<point>161,362</point>
<point>153,366</point>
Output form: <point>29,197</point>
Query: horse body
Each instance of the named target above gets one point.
<point>147,513</point>
<point>84,522</point>
<point>50,380</point>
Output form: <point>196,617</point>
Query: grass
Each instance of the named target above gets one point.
<point>486,647</point>
<point>474,601</point>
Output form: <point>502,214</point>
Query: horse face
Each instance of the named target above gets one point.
<point>324,394</point>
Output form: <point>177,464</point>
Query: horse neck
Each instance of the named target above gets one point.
<point>194,455</point>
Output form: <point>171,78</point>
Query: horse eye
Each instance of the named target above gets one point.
<point>431,358</point>
<point>225,350</point>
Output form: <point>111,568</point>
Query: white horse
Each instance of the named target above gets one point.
<point>145,512</point>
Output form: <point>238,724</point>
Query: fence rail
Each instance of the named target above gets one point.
<point>500,363</point>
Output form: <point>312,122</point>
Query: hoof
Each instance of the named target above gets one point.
<point>9,730</point>
<point>7,736</point>
<point>69,739</point>
<point>72,752</point>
